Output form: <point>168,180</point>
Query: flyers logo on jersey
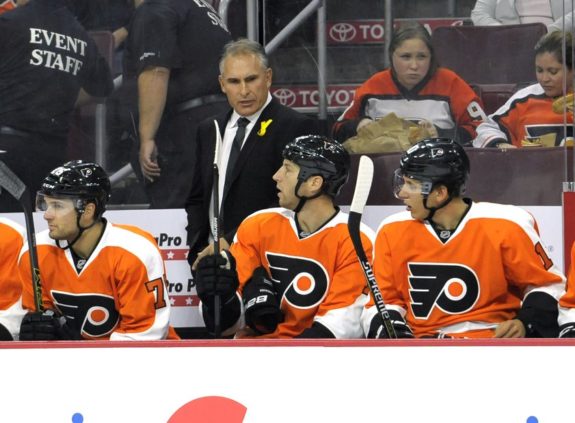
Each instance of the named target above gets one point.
<point>302,282</point>
<point>94,315</point>
<point>453,288</point>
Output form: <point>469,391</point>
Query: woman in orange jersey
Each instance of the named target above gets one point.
<point>448,266</point>
<point>99,280</point>
<point>11,311</point>
<point>292,271</point>
<point>416,89</point>
<point>528,115</point>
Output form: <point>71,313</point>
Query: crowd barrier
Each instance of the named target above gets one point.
<point>447,381</point>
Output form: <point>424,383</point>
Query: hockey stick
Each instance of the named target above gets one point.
<point>11,183</point>
<point>216,225</point>
<point>362,188</point>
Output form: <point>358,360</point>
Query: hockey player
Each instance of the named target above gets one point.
<point>99,280</point>
<point>449,266</point>
<point>11,311</point>
<point>567,303</point>
<point>292,271</point>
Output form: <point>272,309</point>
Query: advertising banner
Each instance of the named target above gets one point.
<point>285,382</point>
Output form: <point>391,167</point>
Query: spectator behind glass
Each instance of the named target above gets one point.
<point>528,115</point>
<point>510,12</point>
<point>6,5</point>
<point>416,89</point>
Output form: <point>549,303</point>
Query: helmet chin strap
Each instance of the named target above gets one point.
<point>432,210</point>
<point>302,199</point>
<point>80,232</point>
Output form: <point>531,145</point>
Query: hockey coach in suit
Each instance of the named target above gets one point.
<point>254,132</point>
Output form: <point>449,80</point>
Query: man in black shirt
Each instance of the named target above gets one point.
<point>173,48</point>
<point>48,65</point>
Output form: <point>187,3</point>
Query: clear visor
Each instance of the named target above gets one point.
<point>57,204</point>
<point>409,185</point>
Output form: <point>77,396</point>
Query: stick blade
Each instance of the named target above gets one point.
<point>10,182</point>
<point>218,144</point>
<point>362,185</point>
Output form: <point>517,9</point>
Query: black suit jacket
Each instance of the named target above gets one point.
<point>252,187</point>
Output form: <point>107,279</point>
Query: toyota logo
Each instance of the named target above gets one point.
<point>342,32</point>
<point>285,96</point>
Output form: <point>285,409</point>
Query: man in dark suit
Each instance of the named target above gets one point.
<point>247,163</point>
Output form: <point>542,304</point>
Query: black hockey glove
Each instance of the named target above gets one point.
<point>216,275</point>
<point>261,306</point>
<point>46,326</point>
<point>377,329</point>
<point>5,334</point>
<point>567,330</point>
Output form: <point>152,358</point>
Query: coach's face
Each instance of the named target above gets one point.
<point>246,83</point>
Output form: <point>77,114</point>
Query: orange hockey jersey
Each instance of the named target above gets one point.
<point>467,285</point>
<point>120,293</point>
<point>445,100</point>
<point>567,302</point>
<point>11,242</point>
<point>317,277</point>
<point>527,114</point>
<point>6,5</point>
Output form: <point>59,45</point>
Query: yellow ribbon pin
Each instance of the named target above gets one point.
<point>264,127</point>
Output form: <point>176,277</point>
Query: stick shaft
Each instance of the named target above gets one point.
<point>14,185</point>
<point>216,224</point>
<point>361,193</point>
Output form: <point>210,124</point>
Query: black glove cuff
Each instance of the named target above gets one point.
<point>567,330</point>
<point>539,314</point>
<point>261,307</point>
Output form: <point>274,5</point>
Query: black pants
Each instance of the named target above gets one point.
<point>174,141</point>
<point>31,158</point>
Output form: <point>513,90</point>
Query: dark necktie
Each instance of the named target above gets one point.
<point>236,148</point>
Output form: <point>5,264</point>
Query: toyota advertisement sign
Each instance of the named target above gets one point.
<point>371,31</point>
<point>306,97</point>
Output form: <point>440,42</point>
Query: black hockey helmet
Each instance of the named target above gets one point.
<point>81,180</point>
<point>436,161</point>
<point>319,155</point>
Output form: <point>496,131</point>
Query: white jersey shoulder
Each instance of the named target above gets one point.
<point>16,226</point>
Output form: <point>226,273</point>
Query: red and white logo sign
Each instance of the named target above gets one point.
<point>338,96</point>
<point>342,32</point>
<point>372,31</point>
<point>210,409</point>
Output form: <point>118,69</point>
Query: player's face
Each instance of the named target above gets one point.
<point>246,83</point>
<point>411,61</point>
<point>550,74</point>
<point>286,181</point>
<point>60,215</point>
<point>410,192</point>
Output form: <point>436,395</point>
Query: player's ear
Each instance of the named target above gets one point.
<point>440,192</point>
<point>90,211</point>
<point>315,183</point>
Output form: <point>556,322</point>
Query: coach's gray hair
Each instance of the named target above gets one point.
<point>243,46</point>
